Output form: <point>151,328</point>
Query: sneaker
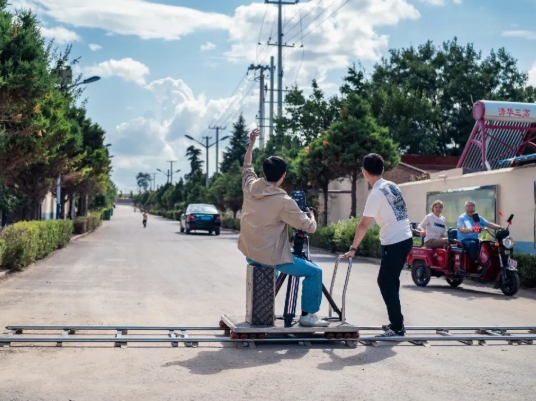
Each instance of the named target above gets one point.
<point>392,333</point>
<point>311,320</point>
<point>386,326</point>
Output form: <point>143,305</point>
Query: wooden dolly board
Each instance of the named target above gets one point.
<point>239,329</point>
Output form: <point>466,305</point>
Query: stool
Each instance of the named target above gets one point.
<point>260,296</point>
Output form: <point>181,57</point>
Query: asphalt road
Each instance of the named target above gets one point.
<point>125,274</point>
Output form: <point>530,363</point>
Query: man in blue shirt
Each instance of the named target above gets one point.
<point>466,230</point>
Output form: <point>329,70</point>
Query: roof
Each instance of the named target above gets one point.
<point>430,163</point>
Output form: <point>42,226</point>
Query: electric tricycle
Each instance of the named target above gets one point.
<point>495,260</point>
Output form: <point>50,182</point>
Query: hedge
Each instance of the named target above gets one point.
<point>174,215</point>
<point>2,250</point>
<point>27,241</point>
<point>86,224</point>
<point>230,223</point>
<point>526,265</point>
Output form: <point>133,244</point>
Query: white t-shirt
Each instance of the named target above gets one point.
<point>388,208</point>
<point>435,227</point>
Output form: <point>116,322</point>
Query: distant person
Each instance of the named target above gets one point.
<point>144,219</point>
<point>434,228</point>
<point>386,205</point>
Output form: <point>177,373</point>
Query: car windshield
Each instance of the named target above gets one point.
<point>203,209</point>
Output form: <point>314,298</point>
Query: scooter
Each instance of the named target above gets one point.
<point>495,263</point>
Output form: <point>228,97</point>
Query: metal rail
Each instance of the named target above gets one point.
<point>218,328</point>
<point>348,272</point>
<point>215,339</point>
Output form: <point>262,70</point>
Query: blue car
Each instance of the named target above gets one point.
<point>201,217</point>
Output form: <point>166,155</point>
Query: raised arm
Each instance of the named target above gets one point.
<point>249,154</point>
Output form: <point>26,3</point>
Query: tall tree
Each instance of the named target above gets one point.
<point>193,154</point>
<point>143,180</point>
<point>238,145</point>
<point>355,135</point>
<point>315,169</point>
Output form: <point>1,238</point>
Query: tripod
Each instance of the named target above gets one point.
<point>300,240</point>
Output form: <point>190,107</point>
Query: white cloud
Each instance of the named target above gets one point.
<point>127,69</point>
<point>208,46</point>
<point>60,35</point>
<point>148,20</point>
<point>160,134</point>
<point>434,2</point>
<point>531,35</point>
<point>532,75</point>
<point>94,47</point>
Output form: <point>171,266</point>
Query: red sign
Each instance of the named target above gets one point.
<point>514,112</point>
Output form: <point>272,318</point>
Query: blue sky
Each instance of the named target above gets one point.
<point>169,68</point>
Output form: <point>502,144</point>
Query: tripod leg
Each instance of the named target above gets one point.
<point>331,301</point>
<point>291,299</point>
<point>279,282</point>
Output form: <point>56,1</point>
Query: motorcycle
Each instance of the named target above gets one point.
<point>495,260</point>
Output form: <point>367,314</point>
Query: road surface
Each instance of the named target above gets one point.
<point>125,274</point>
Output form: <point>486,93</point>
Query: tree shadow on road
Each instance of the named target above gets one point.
<point>370,356</point>
<point>214,362</point>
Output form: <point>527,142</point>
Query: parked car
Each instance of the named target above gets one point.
<point>201,217</point>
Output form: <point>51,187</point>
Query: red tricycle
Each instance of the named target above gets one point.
<point>495,263</point>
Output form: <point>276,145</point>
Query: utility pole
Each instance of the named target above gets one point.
<point>272,80</point>
<point>280,46</point>
<point>206,148</point>
<point>171,170</point>
<point>154,180</point>
<point>217,144</point>
<point>261,102</point>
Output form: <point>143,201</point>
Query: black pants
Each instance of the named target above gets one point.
<point>393,260</point>
<point>144,223</point>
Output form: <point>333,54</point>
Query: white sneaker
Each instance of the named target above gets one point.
<point>311,320</point>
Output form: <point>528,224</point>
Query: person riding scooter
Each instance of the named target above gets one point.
<point>468,233</point>
<point>434,228</point>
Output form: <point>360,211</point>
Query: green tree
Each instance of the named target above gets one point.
<point>143,180</point>
<point>238,145</point>
<point>193,154</point>
<point>355,135</point>
<point>315,169</point>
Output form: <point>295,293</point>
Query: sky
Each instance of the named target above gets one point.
<point>172,68</point>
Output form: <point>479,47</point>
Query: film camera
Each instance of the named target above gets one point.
<point>300,238</point>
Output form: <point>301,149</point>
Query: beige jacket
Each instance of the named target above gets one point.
<point>266,212</point>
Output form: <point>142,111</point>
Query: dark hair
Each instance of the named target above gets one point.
<point>373,163</point>
<point>274,167</point>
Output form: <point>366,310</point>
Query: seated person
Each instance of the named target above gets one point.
<point>266,211</point>
<point>466,230</point>
<point>434,228</point>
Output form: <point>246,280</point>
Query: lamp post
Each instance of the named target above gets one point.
<point>206,146</point>
<point>65,76</point>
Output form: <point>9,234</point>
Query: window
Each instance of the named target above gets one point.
<point>454,200</point>
<point>209,209</point>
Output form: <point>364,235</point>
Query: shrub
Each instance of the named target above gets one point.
<point>2,249</point>
<point>527,269</point>
<point>86,224</point>
<point>28,241</point>
<point>230,223</point>
<point>339,237</point>
<point>174,215</point>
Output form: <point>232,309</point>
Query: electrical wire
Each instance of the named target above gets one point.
<point>305,16</point>
<point>260,31</point>
<point>303,53</point>
<point>318,16</point>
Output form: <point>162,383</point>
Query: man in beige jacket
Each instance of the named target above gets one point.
<point>266,212</point>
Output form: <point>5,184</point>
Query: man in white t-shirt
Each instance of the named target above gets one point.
<point>387,207</point>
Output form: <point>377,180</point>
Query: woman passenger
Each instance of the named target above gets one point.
<point>434,228</point>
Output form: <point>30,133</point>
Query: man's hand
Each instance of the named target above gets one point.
<point>253,136</point>
<point>349,255</point>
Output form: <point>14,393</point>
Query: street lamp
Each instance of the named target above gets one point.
<point>167,174</point>
<point>87,81</point>
<point>206,146</point>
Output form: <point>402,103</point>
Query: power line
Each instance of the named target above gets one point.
<point>305,16</point>
<point>332,14</point>
<point>260,31</point>
<point>303,52</point>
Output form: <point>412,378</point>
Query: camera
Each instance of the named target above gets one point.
<point>300,238</point>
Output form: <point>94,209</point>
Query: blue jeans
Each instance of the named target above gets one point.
<point>312,283</point>
<point>473,247</point>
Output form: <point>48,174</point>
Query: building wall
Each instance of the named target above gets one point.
<point>48,207</point>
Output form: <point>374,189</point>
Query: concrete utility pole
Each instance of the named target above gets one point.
<point>280,46</point>
<point>154,180</point>
<point>217,145</point>
<point>171,170</point>
<point>272,80</point>
<point>261,101</point>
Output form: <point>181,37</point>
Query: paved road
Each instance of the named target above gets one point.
<point>124,274</point>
